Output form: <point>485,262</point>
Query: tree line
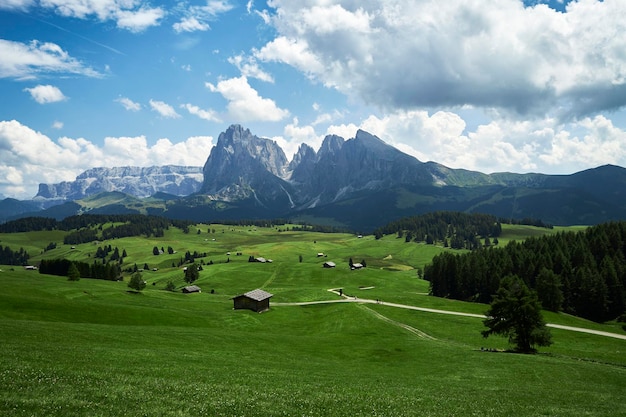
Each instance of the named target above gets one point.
<point>96,270</point>
<point>11,257</point>
<point>452,229</point>
<point>141,223</point>
<point>580,273</point>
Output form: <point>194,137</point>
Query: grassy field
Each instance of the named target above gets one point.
<point>92,348</point>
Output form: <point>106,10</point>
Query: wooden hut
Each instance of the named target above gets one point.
<point>255,300</point>
<point>191,288</point>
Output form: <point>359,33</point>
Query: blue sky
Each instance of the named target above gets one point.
<point>535,86</point>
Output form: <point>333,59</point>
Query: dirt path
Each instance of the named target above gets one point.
<point>349,299</point>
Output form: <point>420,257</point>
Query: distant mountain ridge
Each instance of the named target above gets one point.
<point>360,183</point>
<point>136,181</point>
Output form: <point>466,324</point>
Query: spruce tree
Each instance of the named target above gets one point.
<point>515,312</point>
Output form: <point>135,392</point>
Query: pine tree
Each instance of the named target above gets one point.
<point>515,312</point>
<point>136,282</point>
<point>72,273</point>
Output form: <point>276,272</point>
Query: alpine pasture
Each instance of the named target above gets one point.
<point>96,348</point>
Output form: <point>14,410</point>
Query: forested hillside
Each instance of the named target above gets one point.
<point>580,273</point>
<point>453,229</point>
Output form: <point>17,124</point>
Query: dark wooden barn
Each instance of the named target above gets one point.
<point>255,300</point>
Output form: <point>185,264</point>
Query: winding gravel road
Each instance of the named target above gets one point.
<point>349,299</point>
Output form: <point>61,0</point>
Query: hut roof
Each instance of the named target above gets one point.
<point>191,288</point>
<point>257,295</point>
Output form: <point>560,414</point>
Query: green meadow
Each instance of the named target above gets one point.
<point>94,348</point>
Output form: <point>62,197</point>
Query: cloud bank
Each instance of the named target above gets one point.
<point>28,157</point>
<point>403,54</point>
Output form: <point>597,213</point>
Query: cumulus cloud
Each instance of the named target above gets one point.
<point>28,157</point>
<point>249,68</point>
<point>541,145</point>
<point>196,18</point>
<point>28,60</point>
<point>244,102</point>
<point>191,24</point>
<point>138,20</point>
<point>209,115</point>
<point>129,104</point>
<point>57,125</point>
<point>130,15</point>
<point>44,94</point>
<point>403,54</point>
<point>164,109</point>
<point>295,135</point>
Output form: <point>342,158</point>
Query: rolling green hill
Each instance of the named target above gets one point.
<point>91,347</point>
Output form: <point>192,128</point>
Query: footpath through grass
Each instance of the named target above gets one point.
<point>91,348</point>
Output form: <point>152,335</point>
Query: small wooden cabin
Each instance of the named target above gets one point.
<point>255,300</point>
<point>191,288</point>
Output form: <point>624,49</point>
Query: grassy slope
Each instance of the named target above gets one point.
<point>92,348</point>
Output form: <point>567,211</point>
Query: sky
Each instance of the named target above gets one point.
<point>486,85</point>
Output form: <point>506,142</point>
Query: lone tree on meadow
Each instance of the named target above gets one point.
<point>73,274</point>
<point>136,282</point>
<point>191,274</point>
<point>515,312</point>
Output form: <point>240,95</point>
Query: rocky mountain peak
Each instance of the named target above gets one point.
<point>331,145</point>
<point>302,163</point>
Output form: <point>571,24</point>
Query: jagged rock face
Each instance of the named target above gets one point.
<point>302,164</point>
<point>136,181</point>
<point>365,162</point>
<point>243,166</point>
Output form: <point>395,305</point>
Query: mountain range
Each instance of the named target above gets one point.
<point>360,183</point>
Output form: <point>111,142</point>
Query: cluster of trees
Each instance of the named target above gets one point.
<point>191,257</point>
<point>300,227</point>
<point>80,236</point>
<point>96,270</point>
<point>580,273</point>
<point>10,257</point>
<point>103,251</point>
<point>454,229</point>
<point>29,224</point>
<point>129,224</point>
<point>527,221</point>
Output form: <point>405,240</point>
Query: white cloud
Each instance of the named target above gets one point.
<point>28,158</point>
<point>191,24</point>
<point>57,125</point>
<point>131,15</point>
<point>129,104</point>
<point>16,4</point>
<point>139,20</point>
<point>44,94</point>
<point>296,135</point>
<point>209,115</point>
<point>244,102</point>
<point>197,17</point>
<point>164,109</point>
<point>544,145</point>
<point>292,52</point>
<point>250,68</point>
<point>403,54</point>
<point>28,60</point>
